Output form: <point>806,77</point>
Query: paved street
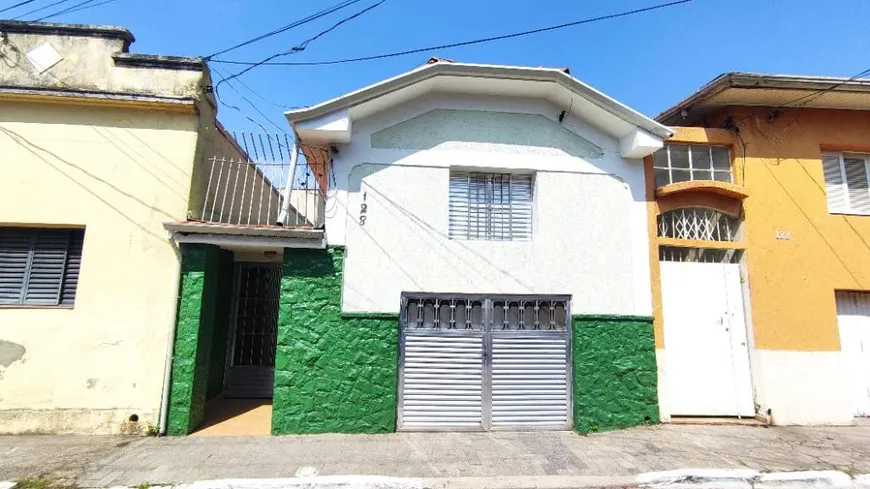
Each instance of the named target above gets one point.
<point>105,461</point>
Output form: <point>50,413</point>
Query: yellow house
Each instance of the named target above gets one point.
<point>760,225</point>
<point>99,148</point>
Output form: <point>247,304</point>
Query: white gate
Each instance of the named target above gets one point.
<point>853,316</point>
<point>478,363</point>
<point>706,353</point>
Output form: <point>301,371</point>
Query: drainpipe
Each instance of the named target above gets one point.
<point>170,346</point>
<point>285,209</point>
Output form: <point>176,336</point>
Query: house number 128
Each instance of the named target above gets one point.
<point>363,208</point>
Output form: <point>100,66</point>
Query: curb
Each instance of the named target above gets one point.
<point>673,479</point>
<point>751,479</point>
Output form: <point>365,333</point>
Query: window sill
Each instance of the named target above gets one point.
<point>33,306</point>
<point>849,213</point>
<point>726,189</point>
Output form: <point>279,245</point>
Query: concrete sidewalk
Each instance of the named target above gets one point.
<point>106,461</point>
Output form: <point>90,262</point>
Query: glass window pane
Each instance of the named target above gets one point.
<point>721,158</point>
<point>701,158</point>
<point>660,158</point>
<point>702,175</point>
<point>681,176</point>
<point>722,176</point>
<point>679,156</point>
<point>662,177</point>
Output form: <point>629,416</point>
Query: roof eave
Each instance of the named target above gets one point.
<point>464,69</point>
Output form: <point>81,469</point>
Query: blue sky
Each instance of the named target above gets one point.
<point>648,61</point>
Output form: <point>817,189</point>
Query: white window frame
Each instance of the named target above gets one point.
<point>492,229</point>
<point>691,169</point>
<point>842,155</point>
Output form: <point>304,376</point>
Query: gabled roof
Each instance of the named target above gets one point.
<point>756,89</point>
<point>335,116</point>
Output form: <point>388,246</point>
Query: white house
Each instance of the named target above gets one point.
<point>501,213</point>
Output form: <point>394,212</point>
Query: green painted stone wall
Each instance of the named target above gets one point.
<point>198,313</point>
<point>333,373</point>
<point>615,377</point>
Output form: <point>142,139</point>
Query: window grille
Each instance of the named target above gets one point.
<point>682,162</point>
<point>39,266</point>
<point>698,223</point>
<point>474,313</point>
<point>490,206</point>
<point>699,255</point>
<point>846,182</point>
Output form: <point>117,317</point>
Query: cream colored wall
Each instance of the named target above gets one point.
<point>120,174</point>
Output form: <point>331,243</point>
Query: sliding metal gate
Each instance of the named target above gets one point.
<point>484,363</point>
<point>251,362</point>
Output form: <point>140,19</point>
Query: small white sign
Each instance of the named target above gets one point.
<point>44,57</point>
<point>783,235</point>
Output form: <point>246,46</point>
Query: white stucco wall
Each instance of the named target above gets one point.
<point>120,174</point>
<point>589,233</point>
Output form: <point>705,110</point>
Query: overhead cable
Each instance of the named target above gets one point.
<point>287,27</point>
<point>453,45</point>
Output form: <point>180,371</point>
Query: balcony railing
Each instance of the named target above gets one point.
<point>278,189</point>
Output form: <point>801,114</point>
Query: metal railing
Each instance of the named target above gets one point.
<point>274,188</point>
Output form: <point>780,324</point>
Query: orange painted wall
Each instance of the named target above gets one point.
<point>792,282</point>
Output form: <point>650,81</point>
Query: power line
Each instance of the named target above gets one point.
<point>63,11</point>
<point>301,47</point>
<point>239,110</point>
<point>89,6</point>
<point>456,44</point>
<point>40,9</point>
<point>287,27</point>
<point>25,2</point>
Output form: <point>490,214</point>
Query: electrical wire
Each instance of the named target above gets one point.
<point>63,11</point>
<point>19,4</point>
<point>455,44</point>
<point>304,44</point>
<point>88,6</point>
<point>287,27</point>
<point>40,9</point>
<point>252,104</point>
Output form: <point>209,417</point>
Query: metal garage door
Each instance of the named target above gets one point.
<point>484,363</point>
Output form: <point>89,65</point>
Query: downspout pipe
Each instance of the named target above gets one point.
<point>170,347</point>
<point>288,189</point>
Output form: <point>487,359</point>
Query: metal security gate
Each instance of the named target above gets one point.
<point>484,363</point>
<point>253,337</point>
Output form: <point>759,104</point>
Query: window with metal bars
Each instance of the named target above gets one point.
<point>490,206</point>
<point>846,182</point>
<point>699,224</point>
<point>40,267</point>
<point>683,162</point>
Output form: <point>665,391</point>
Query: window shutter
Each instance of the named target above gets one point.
<point>47,267</point>
<point>14,256</point>
<point>834,188</point>
<point>856,180</point>
<point>73,265</point>
<point>490,206</point>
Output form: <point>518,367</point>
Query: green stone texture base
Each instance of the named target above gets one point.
<point>615,376</point>
<point>200,334</point>
<point>333,373</point>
